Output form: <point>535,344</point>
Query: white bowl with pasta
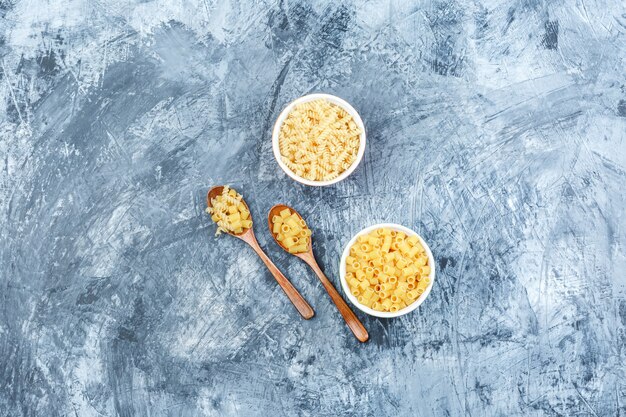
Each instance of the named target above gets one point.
<point>386,314</point>
<point>333,100</point>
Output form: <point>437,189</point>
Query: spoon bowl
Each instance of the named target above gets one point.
<point>275,211</point>
<point>216,191</point>
<point>348,315</point>
<point>247,235</point>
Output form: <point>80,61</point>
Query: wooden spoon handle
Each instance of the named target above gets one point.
<point>298,301</point>
<point>348,315</point>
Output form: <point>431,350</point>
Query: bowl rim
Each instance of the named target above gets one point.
<point>304,99</point>
<point>370,311</point>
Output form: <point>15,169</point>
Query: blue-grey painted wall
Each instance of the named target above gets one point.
<point>497,129</point>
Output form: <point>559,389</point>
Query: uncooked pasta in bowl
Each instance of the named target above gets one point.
<point>387,270</point>
<point>318,139</point>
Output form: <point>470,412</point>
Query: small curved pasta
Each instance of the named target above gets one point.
<point>229,212</point>
<point>291,231</point>
<point>387,270</point>
<point>318,140</point>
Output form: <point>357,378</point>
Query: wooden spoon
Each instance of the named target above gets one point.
<point>348,315</point>
<point>247,236</point>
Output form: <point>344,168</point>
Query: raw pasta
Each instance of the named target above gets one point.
<point>319,140</point>
<point>229,212</point>
<point>387,270</point>
<point>291,231</point>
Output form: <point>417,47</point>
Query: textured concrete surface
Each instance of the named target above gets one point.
<point>497,129</point>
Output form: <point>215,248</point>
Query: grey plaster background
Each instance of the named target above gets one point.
<point>497,129</point>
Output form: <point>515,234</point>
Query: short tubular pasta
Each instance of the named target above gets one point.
<point>229,212</point>
<point>388,270</point>
<point>318,140</point>
<point>291,231</point>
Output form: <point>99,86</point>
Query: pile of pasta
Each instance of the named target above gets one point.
<point>291,231</point>
<point>387,270</point>
<point>229,212</point>
<point>319,140</point>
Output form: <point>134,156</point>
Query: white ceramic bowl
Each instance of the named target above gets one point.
<point>386,314</point>
<point>335,100</point>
